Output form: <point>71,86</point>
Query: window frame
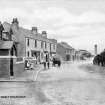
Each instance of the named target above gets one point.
<point>28,42</point>
<point>35,43</point>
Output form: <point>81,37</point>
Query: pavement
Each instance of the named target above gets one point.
<point>27,75</point>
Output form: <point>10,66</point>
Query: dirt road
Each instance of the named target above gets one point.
<point>71,84</point>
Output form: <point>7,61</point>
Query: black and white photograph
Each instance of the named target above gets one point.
<point>52,52</point>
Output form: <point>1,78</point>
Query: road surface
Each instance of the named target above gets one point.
<point>71,84</point>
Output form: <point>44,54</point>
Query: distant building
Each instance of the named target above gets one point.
<point>77,55</point>
<point>82,54</point>
<point>30,43</point>
<point>65,51</point>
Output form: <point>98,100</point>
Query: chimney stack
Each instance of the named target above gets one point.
<point>15,23</point>
<point>34,30</point>
<point>44,34</point>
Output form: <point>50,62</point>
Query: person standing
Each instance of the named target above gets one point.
<point>48,60</point>
<point>44,61</point>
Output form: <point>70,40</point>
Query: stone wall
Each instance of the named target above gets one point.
<point>18,69</point>
<point>4,68</point>
<point>61,52</point>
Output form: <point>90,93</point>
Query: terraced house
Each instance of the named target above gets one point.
<point>17,42</point>
<point>65,51</point>
<point>30,43</point>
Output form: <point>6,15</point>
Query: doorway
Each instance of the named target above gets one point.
<point>12,53</point>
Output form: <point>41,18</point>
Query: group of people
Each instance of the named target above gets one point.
<point>46,61</point>
<point>55,60</point>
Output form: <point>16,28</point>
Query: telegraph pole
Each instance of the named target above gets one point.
<point>95,49</point>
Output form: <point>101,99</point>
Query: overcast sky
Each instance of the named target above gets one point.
<point>81,23</point>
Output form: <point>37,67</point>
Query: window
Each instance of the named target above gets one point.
<point>45,45</point>
<point>54,46</point>
<point>27,42</point>
<point>28,53</point>
<point>35,43</point>
<point>42,44</point>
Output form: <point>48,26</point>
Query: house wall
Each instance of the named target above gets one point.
<point>46,46</point>
<point>53,47</point>
<point>21,49</point>
<point>66,53</point>
<point>71,53</point>
<point>20,38</point>
<point>4,52</point>
<point>4,67</point>
<point>61,51</point>
<point>18,69</point>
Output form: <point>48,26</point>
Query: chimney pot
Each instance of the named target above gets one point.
<point>15,23</point>
<point>15,20</point>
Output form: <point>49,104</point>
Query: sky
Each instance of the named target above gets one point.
<point>80,23</point>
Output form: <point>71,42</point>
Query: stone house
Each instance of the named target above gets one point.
<point>66,52</point>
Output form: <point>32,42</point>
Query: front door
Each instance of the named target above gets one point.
<point>67,57</point>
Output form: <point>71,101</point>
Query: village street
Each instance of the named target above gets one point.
<point>71,84</point>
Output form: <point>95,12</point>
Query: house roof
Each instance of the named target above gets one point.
<point>22,33</point>
<point>6,26</point>
<point>6,44</point>
<point>65,45</point>
<point>81,50</point>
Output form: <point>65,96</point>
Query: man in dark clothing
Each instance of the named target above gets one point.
<point>44,61</point>
<point>47,60</point>
<point>1,30</point>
